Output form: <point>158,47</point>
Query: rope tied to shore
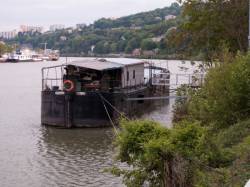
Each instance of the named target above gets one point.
<point>112,106</point>
<point>106,110</point>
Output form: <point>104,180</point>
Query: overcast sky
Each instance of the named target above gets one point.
<point>69,12</point>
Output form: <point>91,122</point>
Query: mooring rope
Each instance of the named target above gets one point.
<point>110,119</point>
<point>112,106</point>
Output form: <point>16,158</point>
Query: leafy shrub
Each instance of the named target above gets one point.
<point>159,156</point>
<point>225,97</point>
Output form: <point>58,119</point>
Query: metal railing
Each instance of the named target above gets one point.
<point>52,78</point>
<point>56,84</point>
<point>174,80</point>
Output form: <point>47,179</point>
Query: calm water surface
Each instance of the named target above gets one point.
<point>34,155</point>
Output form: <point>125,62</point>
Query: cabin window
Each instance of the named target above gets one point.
<point>127,75</point>
<point>133,74</point>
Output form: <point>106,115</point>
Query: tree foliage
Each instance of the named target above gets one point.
<point>4,48</point>
<point>148,44</point>
<point>141,19</point>
<point>225,97</point>
<point>157,154</point>
<point>208,145</point>
<point>209,24</point>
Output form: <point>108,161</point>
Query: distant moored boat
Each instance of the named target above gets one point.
<point>19,56</point>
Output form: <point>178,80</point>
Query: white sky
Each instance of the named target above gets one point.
<point>14,13</point>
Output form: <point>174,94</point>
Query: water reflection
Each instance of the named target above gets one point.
<point>161,112</point>
<point>77,157</point>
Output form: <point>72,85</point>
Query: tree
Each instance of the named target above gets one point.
<point>4,48</point>
<point>103,23</point>
<point>209,24</point>
<point>132,44</point>
<point>159,156</point>
<point>102,47</point>
<point>148,44</point>
<point>224,98</point>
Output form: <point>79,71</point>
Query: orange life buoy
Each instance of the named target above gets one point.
<point>68,85</point>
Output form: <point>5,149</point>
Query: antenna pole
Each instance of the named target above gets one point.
<point>45,47</point>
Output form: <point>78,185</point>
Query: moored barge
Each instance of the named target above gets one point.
<point>89,93</point>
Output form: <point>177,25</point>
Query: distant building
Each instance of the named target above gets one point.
<point>158,38</point>
<point>92,48</point>
<point>70,30</point>
<point>158,18</point>
<point>56,27</point>
<point>113,18</point>
<point>81,25</point>
<point>8,34</point>
<point>169,17</point>
<point>149,53</point>
<point>27,28</point>
<point>133,27</point>
<point>136,52</point>
<point>63,38</point>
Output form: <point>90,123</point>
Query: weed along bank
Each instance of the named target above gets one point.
<point>93,93</point>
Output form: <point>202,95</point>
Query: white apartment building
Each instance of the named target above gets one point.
<point>27,28</point>
<point>169,17</point>
<point>8,34</point>
<point>56,27</point>
<point>81,25</point>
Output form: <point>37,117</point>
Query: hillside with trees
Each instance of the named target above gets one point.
<point>199,31</point>
<point>144,31</point>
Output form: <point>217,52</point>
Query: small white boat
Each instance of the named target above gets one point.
<point>19,56</point>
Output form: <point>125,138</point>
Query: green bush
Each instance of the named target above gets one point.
<point>158,155</point>
<point>225,97</point>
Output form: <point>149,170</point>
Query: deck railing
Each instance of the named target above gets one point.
<point>175,80</point>
<point>52,80</point>
<point>56,84</point>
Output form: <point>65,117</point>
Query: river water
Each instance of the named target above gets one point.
<point>34,155</point>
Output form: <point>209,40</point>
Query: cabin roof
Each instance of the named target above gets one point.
<point>101,64</point>
<point>95,64</point>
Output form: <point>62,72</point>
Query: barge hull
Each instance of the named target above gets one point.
<point>72,110</point>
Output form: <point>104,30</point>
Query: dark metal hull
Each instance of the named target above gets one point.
<point>15,60</point>
<point>87,109</point>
